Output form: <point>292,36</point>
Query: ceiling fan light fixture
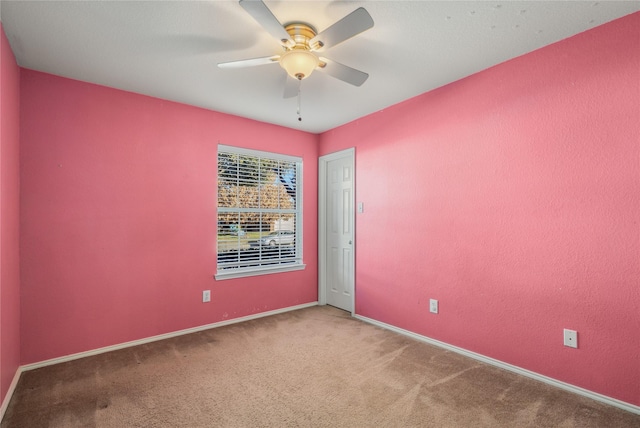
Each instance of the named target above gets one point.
<point>299,63</point>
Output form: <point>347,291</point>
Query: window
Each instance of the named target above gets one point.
<point>259,213</point>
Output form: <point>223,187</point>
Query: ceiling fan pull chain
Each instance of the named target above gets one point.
<point>299,102</point>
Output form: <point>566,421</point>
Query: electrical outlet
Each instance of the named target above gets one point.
<point>433,306</point>
<point>570,338</point>
<point>206,296</point>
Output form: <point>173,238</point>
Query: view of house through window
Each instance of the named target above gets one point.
<point>259,211</point>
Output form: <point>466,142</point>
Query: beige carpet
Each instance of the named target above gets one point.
<point>315,367</point>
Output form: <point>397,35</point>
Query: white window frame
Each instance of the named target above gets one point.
<point>297,263</point>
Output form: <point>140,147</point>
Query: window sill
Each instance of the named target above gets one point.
<point>257,272</point>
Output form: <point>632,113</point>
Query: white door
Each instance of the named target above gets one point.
<point>338,239</point>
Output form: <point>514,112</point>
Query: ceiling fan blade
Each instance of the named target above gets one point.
<point>250,62</point>
<point>343,72</point>
<point>291,87</point>
<point>355,23</point>
<point>269,22</point>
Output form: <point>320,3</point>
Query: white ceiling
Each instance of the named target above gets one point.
<point>170,50</point>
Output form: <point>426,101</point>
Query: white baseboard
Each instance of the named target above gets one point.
<point>10,391</point>
<point>559,384</point>
<point>21,369</point>
<point>524,372</point>
<point>161,337</point>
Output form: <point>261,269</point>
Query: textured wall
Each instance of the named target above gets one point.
<point>512,197</point>
<point>9,215</point>
<point>119,217</point>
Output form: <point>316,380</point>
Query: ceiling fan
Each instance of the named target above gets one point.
<point>300,42</point>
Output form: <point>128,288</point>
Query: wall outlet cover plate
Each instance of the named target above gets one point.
<point>570,338</point>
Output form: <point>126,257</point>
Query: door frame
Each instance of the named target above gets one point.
<point>322,224</point>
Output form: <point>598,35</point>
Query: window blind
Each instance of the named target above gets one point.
<point>259,211</point>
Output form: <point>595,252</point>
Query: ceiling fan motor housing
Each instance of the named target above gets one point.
<point>299,61</point>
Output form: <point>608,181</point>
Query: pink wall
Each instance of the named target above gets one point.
<point>119,217</point>
<point>9,215</point>
<point>512,197</point>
